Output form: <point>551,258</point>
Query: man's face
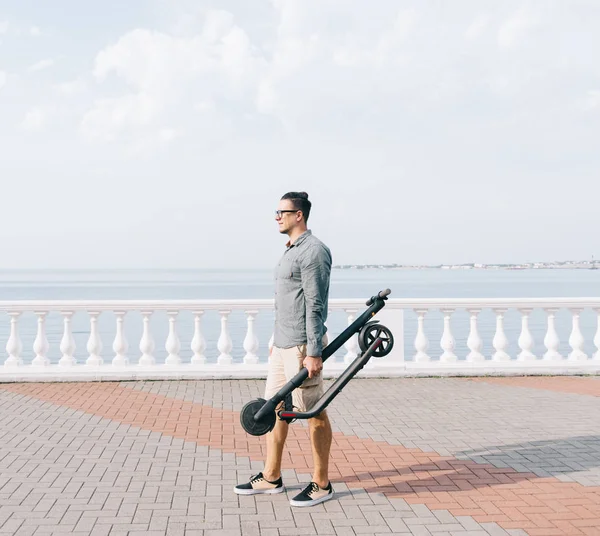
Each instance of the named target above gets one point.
<point>287,220</point>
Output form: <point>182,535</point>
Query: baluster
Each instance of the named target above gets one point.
<point>447,342</point>
<point>172,344</point>
<point>40,345</point>
<point>224,344</point>
<point>14,347</point>
<point>198,343</point>
<point>67,343</point>
<point>251,340</point>
<point>147,342</point>
<point>525,338</point>
<point>500,341</point>
<point>474,342</point>
<point>597,336</point>
<point>94,345</point>
<point>576,340</point>
<point>352,347</point>
<point>120,345</point>
<point>551,340</point>
<point>421,342</point>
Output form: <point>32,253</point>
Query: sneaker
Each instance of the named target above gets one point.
<point>313,494</point>
<point>259,484</point>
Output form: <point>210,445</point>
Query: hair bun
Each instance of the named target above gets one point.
<point>303,195</point>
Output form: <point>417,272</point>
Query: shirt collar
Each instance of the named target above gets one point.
<point>300,239</point>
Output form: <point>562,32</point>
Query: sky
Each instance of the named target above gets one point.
<point>163,133</point>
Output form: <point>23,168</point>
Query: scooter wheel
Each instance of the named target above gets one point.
<point>256,428</point>
<point>369,334</point>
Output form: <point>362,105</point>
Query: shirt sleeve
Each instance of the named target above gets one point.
<point>315,273</point>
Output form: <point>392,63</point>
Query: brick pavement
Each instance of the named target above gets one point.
<point>571,384</point>
<point>426,456</point>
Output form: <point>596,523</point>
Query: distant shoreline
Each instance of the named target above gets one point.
<point>566,265</point>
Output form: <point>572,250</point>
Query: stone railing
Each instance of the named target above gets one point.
<point>547,360</point>
<point>200,358</point>
<point>180,362</point>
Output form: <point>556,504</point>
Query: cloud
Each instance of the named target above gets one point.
<point>591,101</point>
<point>168,135</point>
<point>204,106</point>
<point>477,28</point>
<point>35,119</point>
<point>513,31</point>
<point>166,73</point>
<point>41,65</point>
<point>391,41</point>
<point>18,30</point>
<point>108,117</point>
<point>432,105</point>
<point>71,88</point>
<point>321,65</point>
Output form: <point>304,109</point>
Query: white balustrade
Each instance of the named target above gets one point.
<point>525,341</point>
<point>421,342</point>
<point>551,340</point>
<point>198,345</point>
<point>147,342</point>
<point>251,340</point>
<point>211,351</point>
<point>474,342</point>
<point>597,336</point>
<point>447,342</point>
<point>14,346</point>
<point>224,344</point>
<point>172,344</point>
<point>67,344</point>
<point>94,345</point>
<point>40,345</point>
<point>120,345</point>
<point>500,341</point>
<point>576,340</point>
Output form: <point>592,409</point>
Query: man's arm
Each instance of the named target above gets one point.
<point>315,272</point>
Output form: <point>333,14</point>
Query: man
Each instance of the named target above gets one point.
<point>301,299</point>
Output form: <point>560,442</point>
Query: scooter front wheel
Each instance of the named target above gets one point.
<point>253,427</point>
<point>370,333</point>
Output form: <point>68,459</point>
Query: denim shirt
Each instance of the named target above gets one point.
<point>302,294</point>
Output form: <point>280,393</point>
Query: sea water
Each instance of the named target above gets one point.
<point>253,284</point>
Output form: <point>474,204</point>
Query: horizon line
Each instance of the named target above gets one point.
<point>336,265</point>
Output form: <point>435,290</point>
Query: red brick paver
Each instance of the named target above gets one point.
<point>513,500</point>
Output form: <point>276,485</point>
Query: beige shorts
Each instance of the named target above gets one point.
<point>284,364</point>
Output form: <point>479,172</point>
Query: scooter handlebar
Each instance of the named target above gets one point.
<point>381,296</point>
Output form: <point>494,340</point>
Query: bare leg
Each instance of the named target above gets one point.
<point>320,439</point>
<point>275,443</point>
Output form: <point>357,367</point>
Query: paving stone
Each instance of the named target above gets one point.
<point>125,470</point>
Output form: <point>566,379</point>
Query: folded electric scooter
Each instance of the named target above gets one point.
<point>258,416</point>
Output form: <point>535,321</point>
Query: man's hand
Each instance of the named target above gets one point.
<point>314,365</point>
